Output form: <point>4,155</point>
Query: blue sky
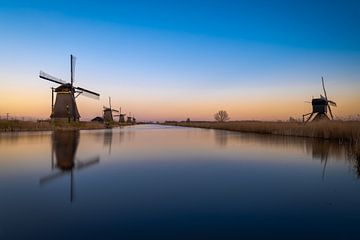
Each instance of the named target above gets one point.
<point>154,56</point>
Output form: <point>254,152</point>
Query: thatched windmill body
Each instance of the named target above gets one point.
<point>320,107</point>
<point>129,118</point>
<point>121,116</point>
<point>108,112</point>
<point>65,107</point>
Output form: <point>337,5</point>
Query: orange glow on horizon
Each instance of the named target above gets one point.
<point>171,105</point>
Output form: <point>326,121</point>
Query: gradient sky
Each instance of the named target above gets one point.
<point>177,59</point>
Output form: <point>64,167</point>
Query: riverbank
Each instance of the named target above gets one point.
<point>331,130</point>
<point>21,126</point>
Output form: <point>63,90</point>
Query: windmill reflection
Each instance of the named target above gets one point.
<point>353,154</point>
<point>64,147</point>
<point>325,151</point>
<point>321,150</point>
<point>221,138</point>
<point>108,137</point>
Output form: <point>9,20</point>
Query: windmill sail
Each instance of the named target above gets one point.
<point>72,63</point>
<point>88,93</point>
<point>321,106</point>
<point>65,105</point>
<point>48,77</point>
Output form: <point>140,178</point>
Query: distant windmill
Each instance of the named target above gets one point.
<point>65,104</point>
<point>121,116</point>
<point>108,116</point>
<point>129,118</point>
<point>64,146</point>
<point>320,106</point>
<point>133,119</point>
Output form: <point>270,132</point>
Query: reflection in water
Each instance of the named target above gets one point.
<point>64,146</point>
<point>221,138</point>
<point>353,154</point>
<point>177,183</point>
<point>121,136</point>
<point>319,149</point>
<point>109,141</point>
<point>108,136</point>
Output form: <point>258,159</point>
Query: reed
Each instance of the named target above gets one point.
<point>17,125</point>
<point>333,130</point>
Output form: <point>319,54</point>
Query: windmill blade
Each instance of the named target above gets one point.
<point>110,102</point>
<point>114,110</point>
<point>332,117</point>
<point>80,165</point>
<point>72,65</point>
<point>88,92</point>
<point>332,103</point>
<point>89,95</point>
<point>323,85</point>
<point>52,176</point>
<point>50,78</point>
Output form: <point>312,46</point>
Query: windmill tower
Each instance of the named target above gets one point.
<point>133,119</point>
<point>65,107</point>
<point>108,116</point>
<point>129,118</point>
<point>121,116</point>
<point>320,107</point>
<point>64,146</point>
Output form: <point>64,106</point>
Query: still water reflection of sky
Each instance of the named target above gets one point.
<point>152,181</point>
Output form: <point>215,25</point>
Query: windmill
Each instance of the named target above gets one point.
<point>108,116</point>
<point>129,118</point>
<point>320,107</point>
<point>64,146</point>
<point>133,119</point>
<point>65,104</point>
<point>121,116</point>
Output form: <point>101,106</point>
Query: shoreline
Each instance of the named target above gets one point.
<point>343,132</point>
<point>7,126</point>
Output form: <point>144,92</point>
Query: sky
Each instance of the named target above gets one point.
<point>170,60</point>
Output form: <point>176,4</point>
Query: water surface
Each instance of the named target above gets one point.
<point>152,182</point>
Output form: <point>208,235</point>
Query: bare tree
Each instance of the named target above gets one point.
<point>221,116</point>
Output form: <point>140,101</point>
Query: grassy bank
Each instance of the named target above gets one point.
<point>17,126</point>
<point>333,130</point>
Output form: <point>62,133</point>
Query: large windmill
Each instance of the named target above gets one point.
<point>108,116</point>
<point>64,146</point>
<point>65,105</point>
<point>320,107</point>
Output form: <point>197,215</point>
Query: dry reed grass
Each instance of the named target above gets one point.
<point>332,130</point>
<point>17,126</point>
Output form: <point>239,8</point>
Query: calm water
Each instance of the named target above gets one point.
<point>152,182</point>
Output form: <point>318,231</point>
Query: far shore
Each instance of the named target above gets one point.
<point>29,126</point>
<point>341,131</point>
